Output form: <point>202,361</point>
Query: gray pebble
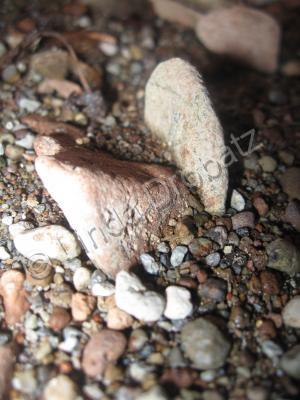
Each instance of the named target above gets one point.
<point>178,255</point>
<point>290,362</point>
<point>283,256</point>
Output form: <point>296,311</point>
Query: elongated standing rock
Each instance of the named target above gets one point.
<point>114,206</point>
<point>179,112</point>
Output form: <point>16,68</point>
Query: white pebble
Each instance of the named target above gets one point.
<point>179,304</point>
<point>26,142</point>
<point>103,289</point>
<point>133,297</point>
<point>237,201</point>
<point>47,242</point>
<point>81,278</point>
<point>29,105</point>
<point>149,264</point>
<point>178,255</point>
<point>7,220</point>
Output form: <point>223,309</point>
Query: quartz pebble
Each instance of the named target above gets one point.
<point>81,278</point>
<point>178,255</point>
<point>47,242</point>
<point>60,387</point>
<point>104,289</point>
<point>291,313</point>
<point>103,347</point>
<point>204,344</point>
<point>179,303</point>
<point>133,297</point>
<point>237,201</point>
<point>283,256</point>
<point>149,264</point>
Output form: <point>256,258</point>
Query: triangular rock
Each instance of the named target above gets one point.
<point>114,206</point>
<point>179,112</point>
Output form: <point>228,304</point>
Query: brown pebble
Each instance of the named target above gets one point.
<point>59,318</point>
<point>7,361</point>
<point>118,319</point>
<point>103,347</point>
<point>14,296</point>
<point>201,276</point>
<point>200,247</point>
<point>243,219</point>
<point>180,377</point>
<point>239,317</point>
<point>213,289</point>
<point>254,284</point>
<point>82,306</point>
<point>266,329</point>
<point>188,282</point>
<point>290,182</point>
<point>269,282</point>
<point>261,206</point>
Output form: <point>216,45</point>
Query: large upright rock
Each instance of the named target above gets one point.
<point>178,111</point>
<point>114,206</point>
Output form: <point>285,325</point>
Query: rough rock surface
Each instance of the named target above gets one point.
<point>114,206</point>
<point>133,297</point>
<point>243,33</point>
<point>204,344</point>
<point>103,347</point>
<point>179,112</point>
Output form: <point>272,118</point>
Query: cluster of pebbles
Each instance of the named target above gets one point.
<point>213,311</point>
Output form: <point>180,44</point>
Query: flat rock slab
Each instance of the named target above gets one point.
<point>114,206</point>
<point>178,111</point>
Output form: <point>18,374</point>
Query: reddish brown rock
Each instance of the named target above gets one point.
<point>242,220</point>
<point>114,206</point>
<point>269,282</point>
<point>59,318</point>
<point>103,347</point>
<point>14,296</point>
<point>243,33</point>
<point>290,182</point>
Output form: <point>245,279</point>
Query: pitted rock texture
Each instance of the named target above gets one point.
<point>114,206</point>
<point>179,112</point>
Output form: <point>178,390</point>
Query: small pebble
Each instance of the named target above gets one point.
<point>14,152</point>
<point>81,278</point>
<point>283,256</point>
<point>290,362</point>
<point>104,289</point>
<point>179,303</point>
<point>290,182</point>
<point>268,164</point>
<point>60,387</point>
<point>200,247</point>
<point>133,297</point>
<point>213,289</point>
<point>237,201</point>
<point>4,254</point>
<point>292,214</point>
<point>149,264</point>
<point>213,259</point>
<point>178,255</point>
<point>118,319</point>
<point>291,313</point>
<point>243,219</point>
<point>204,344</point>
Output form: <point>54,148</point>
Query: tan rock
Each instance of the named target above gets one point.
<point>118,319</point>
<point>114,206</point>
<point>103,347</point>
<point>63,87</point>
<point>53,64</point>
<point>14,296</point>
<point>179,112</point>
<point>82,306</point>
<point>243,33</point>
